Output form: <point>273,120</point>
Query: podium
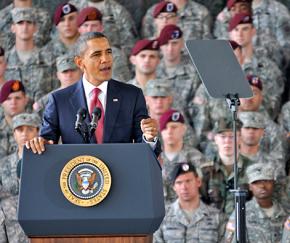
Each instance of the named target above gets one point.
<point>132,210</point>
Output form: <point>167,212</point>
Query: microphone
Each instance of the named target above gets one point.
<point>81,115</point>
<point>96,115</point>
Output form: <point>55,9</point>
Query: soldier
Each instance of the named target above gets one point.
<point>193,19</point>
<point>117,21</point>
<point>3,66</point>
<point>264,215</point>
<point>3,238</point>
<point>44,25</point>
<point>25,61</point>
<point>159,99</point>
<point>90,20</point>
<point>65,20</point>
<point>242,31</point>
<point>13,101</point>
<point>286,231</point>
<point>145,57</point>
<point>188,219</point>
<point>173,129</point>
<point>218,173</point>
<point>67,73</point>
<point>25,127</point>
<point>176,67</point>
<point>284,118</point>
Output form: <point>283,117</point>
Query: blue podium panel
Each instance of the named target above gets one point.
<point>134,204</point>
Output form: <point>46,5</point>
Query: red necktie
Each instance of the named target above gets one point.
<point>95,102</point>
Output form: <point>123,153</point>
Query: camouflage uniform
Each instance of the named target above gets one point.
<point>183,80</point>
<point>284,117</point>
<point>37,74</point>
<point>117,21</point>
<point>214,6</point>
<point>217,183</point>
<point>43,23</point>
<point>186,154</point>
<point>7,141</point>
<point>194,21</point>
<point>260,228</point>
<point>9,190</point>
<point>121,71</point>
<point>3,238</point>
<point>204,225</point>
<point>286,232</point>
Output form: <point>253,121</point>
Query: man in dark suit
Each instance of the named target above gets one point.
<point>125,117</point>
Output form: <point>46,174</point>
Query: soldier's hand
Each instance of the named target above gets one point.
<point>37,144</point>
<point>149,128</point>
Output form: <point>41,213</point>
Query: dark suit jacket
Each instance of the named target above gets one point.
<point>125,108</point>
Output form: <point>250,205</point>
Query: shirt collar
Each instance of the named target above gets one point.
<point>88,87</point>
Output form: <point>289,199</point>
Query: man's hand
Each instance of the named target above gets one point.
<point>149,128</point>
<point>37,144</point>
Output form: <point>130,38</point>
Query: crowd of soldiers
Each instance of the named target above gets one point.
<point>37,57</point>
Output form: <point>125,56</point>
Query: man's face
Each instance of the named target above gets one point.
<point>24,133</point>
<point>67,27</point>
<point>20,3</point>
<point>187,187</point>
<point>253,103</point>
<point>91,26</point>
<point>173,133</point>
<point>251,136</point>
<point>243,34</point>
<point>225,143</point>
<point>240,7</point>
<point>164,19</point>
<point>146,61</point>
<point>172,50</point>
<point>96,62</point>
<point>158,105</point>
<point>262,189</point>
<point>3,66</point>
<point>15,103</point>
<point>24,30</point>
<point>69,77</point>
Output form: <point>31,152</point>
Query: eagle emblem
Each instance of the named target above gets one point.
<point>86,181</point>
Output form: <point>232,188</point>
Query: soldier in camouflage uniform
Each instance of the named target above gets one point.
<point>25,127</point>
<point>286,231</point>
<point>193,18</point>
<point>44,25</point>
<point>264,215</point>
<point>118,24</point>
<point>218,174</point>
<point>159,99</point>
<point>176,68</point>
<point>172,129</point>
<point>145,57</point>
<point>188,219</point>
<point>3,66</point>
<point>3,238</point>
<point>65,20</point>
<point>67,73</point>
<point>25,61</point>
<point>13,101</point>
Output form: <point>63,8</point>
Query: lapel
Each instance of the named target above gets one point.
<point>112,109</point>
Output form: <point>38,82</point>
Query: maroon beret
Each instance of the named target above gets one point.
<point>170,116</point>
<point>230,3</point>
<point>240,18</point>
<point>234,45</point>
<point>87,14</point>
<point>145,44</point>
<point>2,51</point>
<point>255,81</point>
<point>62,10</point>
<point>169,32</point>
<point>164,7</point>
<point>10,87</point>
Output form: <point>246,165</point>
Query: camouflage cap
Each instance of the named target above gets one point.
<point>182,168</point>
<point>260,171</point>
<point>157,87</point>
<point>10,87</point>
<point>222,125</point>
<point>252,119</point>
<point>26,119</point>
<point>65,62</point>
<point>23,14</point>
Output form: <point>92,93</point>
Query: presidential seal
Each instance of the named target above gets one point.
<point>85,181</point>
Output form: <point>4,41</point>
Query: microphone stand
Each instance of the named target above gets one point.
<point>240,195</point>
<point>83,131</point>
